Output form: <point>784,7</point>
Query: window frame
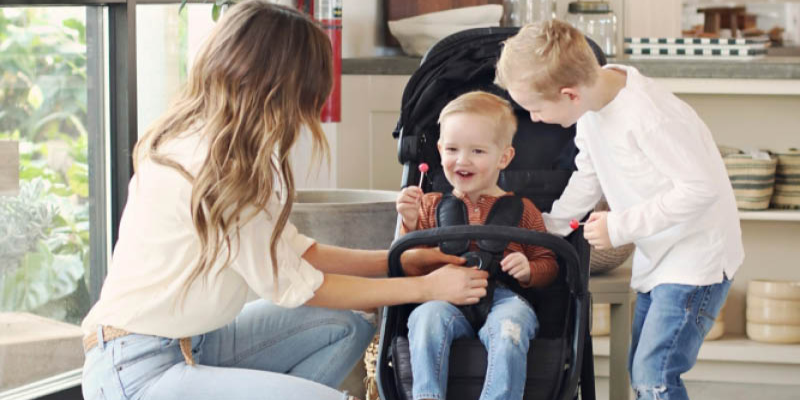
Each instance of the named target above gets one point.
<point>113,56</point>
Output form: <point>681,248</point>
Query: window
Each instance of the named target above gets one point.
<point>53,197</point>
<point>166,42</point>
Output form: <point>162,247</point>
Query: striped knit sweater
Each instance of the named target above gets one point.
<point>544,267</point>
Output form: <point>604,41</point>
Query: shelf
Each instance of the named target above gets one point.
<point>770,215</point>
<point>731,348</point>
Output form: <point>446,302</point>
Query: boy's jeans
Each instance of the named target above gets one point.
<point>507,333</point>
<point>246,359</point>
<point>669,325</point>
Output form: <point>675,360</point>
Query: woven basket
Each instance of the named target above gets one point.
<point>602,261</point>
<point>370,364</point>
<point>787,180</point>
<point>753,180</point>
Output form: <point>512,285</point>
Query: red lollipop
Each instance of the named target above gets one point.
<point>423,168</point>
<point>574,224</point>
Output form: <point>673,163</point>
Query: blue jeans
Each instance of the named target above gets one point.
<point>507,333</point>
<point>268,352</point>
<point>669,325</point>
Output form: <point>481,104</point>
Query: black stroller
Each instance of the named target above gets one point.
<point>560,358</point>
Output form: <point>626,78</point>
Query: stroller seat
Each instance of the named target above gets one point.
<point>560,356</point>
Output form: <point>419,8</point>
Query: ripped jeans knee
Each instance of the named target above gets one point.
<point>650,392</point>
<point>659,391</point>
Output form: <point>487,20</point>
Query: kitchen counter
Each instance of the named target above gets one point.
<point>770,67</point>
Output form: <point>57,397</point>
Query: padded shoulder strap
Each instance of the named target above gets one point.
<point>451,211</point>
<point>506,211</point>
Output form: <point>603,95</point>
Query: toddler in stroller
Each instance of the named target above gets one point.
<point>476,130</point>
<point>559,358</point>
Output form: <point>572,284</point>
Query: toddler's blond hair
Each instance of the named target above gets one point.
<point>488,105</point>
<point>545,57</point>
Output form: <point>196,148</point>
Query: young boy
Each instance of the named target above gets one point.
<point>665,182</point>
<point>476,130</point>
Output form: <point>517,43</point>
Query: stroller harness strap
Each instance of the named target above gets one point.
<point>506,211</point>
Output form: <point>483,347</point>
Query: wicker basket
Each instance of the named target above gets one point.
<point>753,180</point>
<point>370,363</point>
<point>602,261</point>
<point>787,180</point>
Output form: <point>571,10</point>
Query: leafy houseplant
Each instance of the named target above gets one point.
<point>33,269</point>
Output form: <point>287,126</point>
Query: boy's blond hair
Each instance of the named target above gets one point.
<point>488,105</point>
<point>547,56</point>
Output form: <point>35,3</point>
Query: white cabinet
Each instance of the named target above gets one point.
<point>366,153</point>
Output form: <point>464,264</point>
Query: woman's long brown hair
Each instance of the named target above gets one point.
<point>262,74</point>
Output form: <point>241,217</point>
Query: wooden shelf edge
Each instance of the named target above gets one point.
<point>730,348</point>
<point>770,215</point>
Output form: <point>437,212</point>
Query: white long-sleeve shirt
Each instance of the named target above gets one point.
<point>158,247</point>
<point>665,182</point>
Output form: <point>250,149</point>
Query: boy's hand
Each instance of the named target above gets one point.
<point>596,231</point>
<point>408,203</point>
<point>516,265</point>
<point>423,260</point>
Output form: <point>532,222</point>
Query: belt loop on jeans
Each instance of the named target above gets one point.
<point>101,341</point>
<point>186,349</point>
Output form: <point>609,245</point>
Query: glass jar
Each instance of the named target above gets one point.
<point>523,12</point>
<point>596,20</point>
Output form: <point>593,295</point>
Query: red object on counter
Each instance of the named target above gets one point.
<point>329,15</point>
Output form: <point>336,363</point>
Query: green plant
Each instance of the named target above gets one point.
<point>216,10</point>
<point>42,74</point>
<point>36,269</point>
<point>44,232</point>
<point>24,222</point>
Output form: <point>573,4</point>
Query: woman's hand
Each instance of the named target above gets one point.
<point>408,203</point>
<point>457,285</point>
<point>517,265</point>
<point>596,231</point>
<point>422,260</point>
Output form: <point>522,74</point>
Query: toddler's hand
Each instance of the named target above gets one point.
<point>408,203</point>
<point>516,265</point>
<point>596,231</point>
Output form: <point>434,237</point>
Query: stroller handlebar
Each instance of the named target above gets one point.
<point>562,248</point>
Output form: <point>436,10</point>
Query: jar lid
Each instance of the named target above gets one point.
<point>588,7</point>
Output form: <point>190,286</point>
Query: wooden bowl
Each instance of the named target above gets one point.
<point>781,290</point>
<point>717,330</point>
<point>771,311</point>
<point>769,333</point>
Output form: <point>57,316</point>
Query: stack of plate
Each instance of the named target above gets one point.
<point>696,48</point>
<point>773,311</point>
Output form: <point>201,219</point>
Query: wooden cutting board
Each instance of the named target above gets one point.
<point>399,9</point>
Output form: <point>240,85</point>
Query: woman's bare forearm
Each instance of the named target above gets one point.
<point>352,292</point>
<point>344,261</point>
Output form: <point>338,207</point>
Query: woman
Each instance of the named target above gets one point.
<point>206,225</point>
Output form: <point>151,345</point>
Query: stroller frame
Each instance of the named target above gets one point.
<point>571,355</point>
